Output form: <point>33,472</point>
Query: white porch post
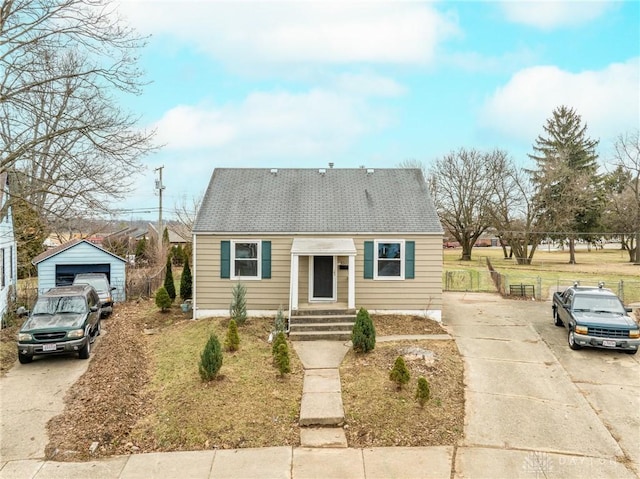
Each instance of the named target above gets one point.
<point>294,282</point>
<point>351,301</point>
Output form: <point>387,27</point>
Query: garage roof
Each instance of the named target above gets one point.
<point>64,247</point>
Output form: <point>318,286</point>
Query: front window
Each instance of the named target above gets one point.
<point>245,259</point>
<point>60,305</point>
<point>389,262</point>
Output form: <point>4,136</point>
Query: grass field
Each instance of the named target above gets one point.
<point>550,269</point>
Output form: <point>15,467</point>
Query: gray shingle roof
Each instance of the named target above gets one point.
<point>358,200</point>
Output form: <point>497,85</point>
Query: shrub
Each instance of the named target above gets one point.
<point>282,359</point>
<point>399,373</point>
<point>277,341</point>
<point>186,282</point>
<point>168,281</point>
<point>238,309</point>
<point>280,321</point>
<point>210,359</point>
<point>422,393</point>
<point>363,335</point>
<point>163,301</point>
<point>232,342</point>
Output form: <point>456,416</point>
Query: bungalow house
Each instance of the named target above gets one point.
<point>301,239</point>
<point>8,248</point>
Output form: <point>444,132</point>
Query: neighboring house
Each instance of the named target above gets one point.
<point>58,266</point>
<point>327,238</point>
<point>8,248</point>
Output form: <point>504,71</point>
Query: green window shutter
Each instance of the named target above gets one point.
<point>409,259</point>
<point>225,259</point>
<point>368,260</point>
<point>266,259</point>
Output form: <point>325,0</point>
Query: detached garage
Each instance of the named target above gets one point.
<point>58,266</point>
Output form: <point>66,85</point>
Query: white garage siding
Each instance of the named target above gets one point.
<point>81,254</point>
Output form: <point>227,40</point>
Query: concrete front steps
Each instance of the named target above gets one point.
<point>325,324</point>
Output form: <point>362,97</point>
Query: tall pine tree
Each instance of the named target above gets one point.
<point>168,281</point>
<point>568,187</point>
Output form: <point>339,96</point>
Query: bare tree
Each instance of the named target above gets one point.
<point>627,204</point>
<point>514,212</point>
<point>463,184</point>
<point>63,63</point>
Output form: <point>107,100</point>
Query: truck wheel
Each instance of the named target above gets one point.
<point>24,359</point>
<point>556,319</point>
<point>572,342</point>
<point>85,352</point>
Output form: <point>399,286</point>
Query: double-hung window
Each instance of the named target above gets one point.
<point>245,259</point>
<point>389,259</point>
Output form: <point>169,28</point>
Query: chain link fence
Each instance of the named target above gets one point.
<point>492,281</point>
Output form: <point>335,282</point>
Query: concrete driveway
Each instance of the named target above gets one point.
<point>30,395</point>
<point>534,408</point>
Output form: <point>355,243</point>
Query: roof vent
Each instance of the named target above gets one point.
<point>331,164</point>
<point>322,171</point>
<point>274,171</point>
<point>369,171</point>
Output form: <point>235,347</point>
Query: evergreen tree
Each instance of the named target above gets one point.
<point>399,373</point>
<point>282,359</point>
<point>238,309</point>
<point>568,187</point>
<point>363,335</point>
<point>141,250</point>
<point>168,281</point>
<point>210,359</point>
<point>232,342</point>
<point>163,301</point>
<point>280,321</point>
<point>277,341</point>
<point>165,237</point>
<point>186,282</point>
<point>422,393</point>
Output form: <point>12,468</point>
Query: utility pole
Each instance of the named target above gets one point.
<point>160,188</point>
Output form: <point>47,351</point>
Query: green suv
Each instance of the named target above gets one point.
<point>65,319</point>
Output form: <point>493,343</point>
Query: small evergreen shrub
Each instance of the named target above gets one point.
<point>399,373</point>
<point>163,301</point>
<point>277,341</point>
<point>168,281</point>
<point>238,308</point>
<point>280,321</point>
<point>186,282</point>
<point>232,342</point>
<point>282,359</point>
<point>422,393</point>
<point>363,335</point>
<point>210,359</point>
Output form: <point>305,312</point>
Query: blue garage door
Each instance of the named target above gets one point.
<point>66,272</point>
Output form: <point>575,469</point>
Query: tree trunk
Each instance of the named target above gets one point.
<point>572,251</point>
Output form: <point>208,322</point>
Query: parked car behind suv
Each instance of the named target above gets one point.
<point>65,319</point>
<point>101,284</point>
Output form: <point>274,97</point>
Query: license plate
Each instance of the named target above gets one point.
<point>609,344</point>
<point>49,347</point>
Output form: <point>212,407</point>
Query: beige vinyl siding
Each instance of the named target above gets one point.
<point>213,292</point>
<point>423,292</point>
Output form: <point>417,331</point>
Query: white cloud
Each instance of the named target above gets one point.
<point>271,126</point>
<point>549,14</point>
<point>608,100</point>
<point>246,34</point>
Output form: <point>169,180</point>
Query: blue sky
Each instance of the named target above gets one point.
<point>370,83</point>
